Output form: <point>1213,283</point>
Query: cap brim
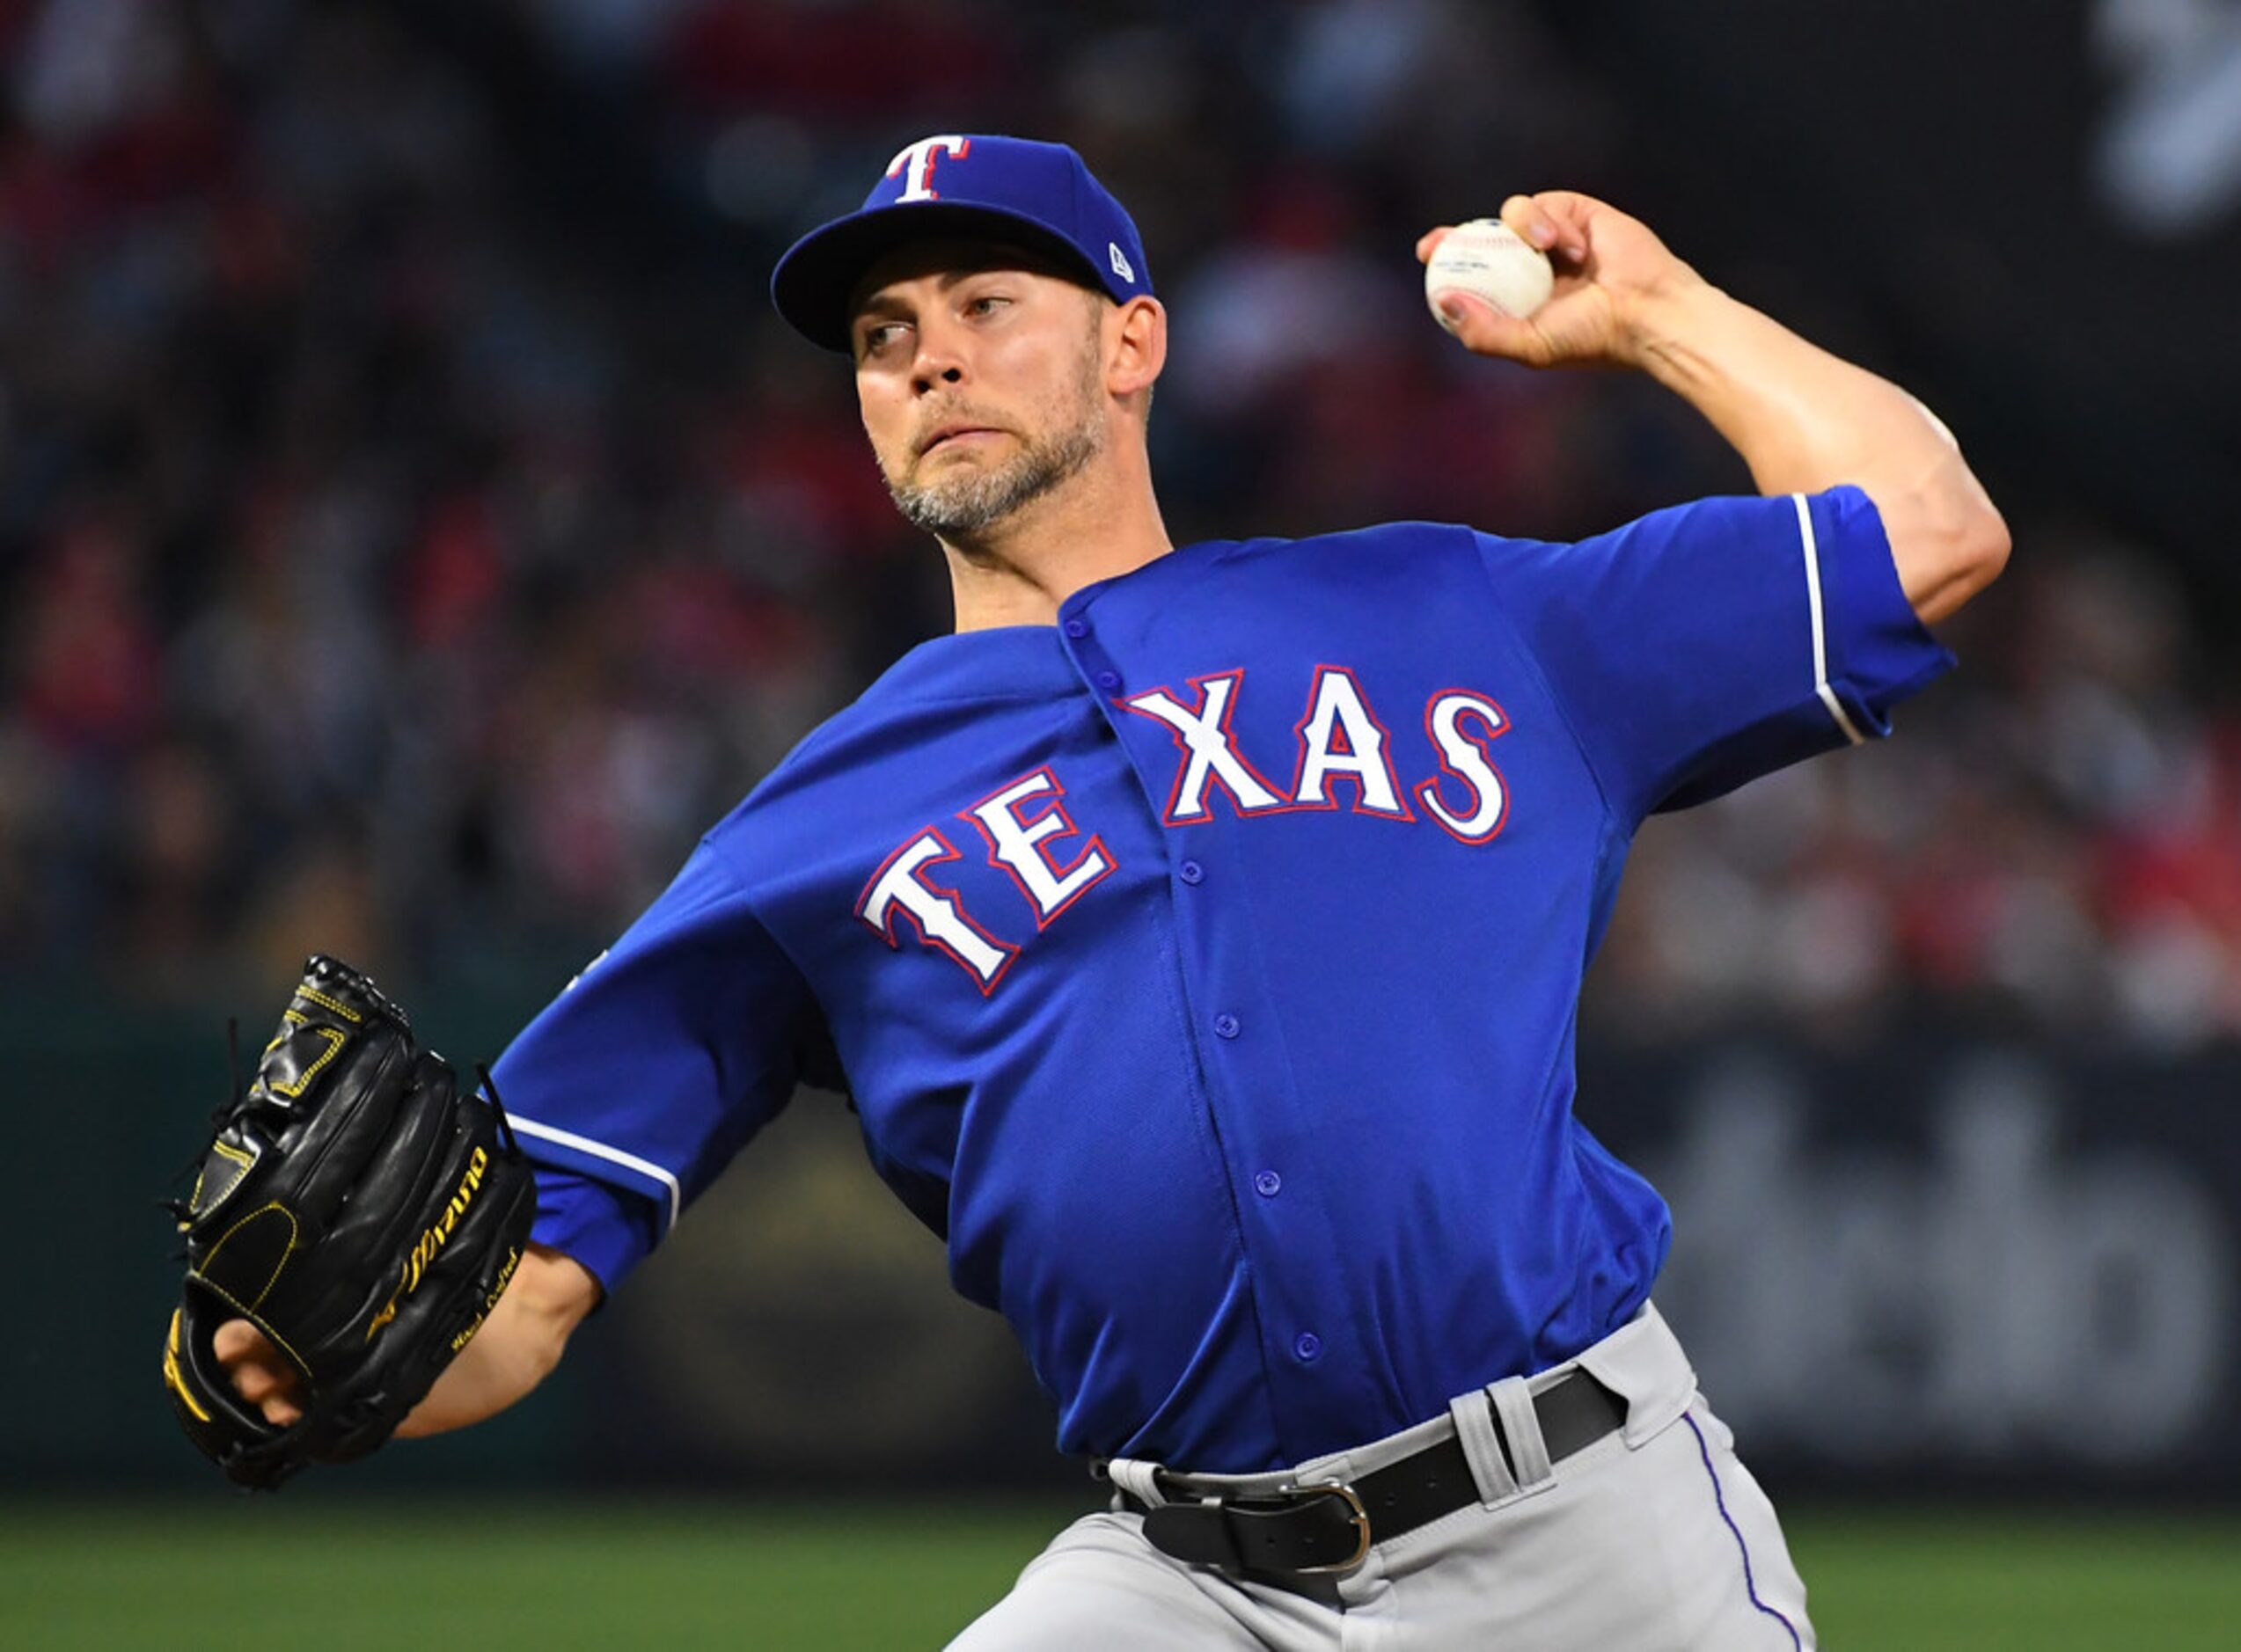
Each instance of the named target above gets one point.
<point>813,283</point>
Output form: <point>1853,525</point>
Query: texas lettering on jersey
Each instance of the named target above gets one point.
<point>1031,836</point>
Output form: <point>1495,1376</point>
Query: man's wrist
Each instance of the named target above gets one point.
<point>1667,327</point>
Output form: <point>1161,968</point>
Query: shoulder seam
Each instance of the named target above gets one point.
<point>1549,688</point>
<point>733,870</point>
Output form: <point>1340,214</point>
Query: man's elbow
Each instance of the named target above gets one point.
<point>1982,555</point>
<point>1961,551</point>
<point>1992,553</point>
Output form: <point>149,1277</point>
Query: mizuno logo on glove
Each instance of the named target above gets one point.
<point>432,1240</point>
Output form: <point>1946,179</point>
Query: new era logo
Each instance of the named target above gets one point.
<point>1120,262</point>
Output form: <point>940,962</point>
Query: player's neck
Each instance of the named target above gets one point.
<point>1022,571</point>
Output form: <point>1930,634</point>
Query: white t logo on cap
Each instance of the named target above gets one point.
<point>916,164</point>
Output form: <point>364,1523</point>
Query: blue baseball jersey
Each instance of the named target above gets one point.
<point>1205,968</point>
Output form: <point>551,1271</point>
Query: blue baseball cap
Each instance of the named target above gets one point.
<point>1038,195</point>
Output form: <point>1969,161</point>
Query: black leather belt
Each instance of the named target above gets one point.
<point>1330,1528</point>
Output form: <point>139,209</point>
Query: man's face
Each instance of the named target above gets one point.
<point>979,369</point>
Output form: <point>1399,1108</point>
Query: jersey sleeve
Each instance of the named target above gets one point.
<point>1700,647</point>
<point>634,1089</point>
<point>606,1228</point>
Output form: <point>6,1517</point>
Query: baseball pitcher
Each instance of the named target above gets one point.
<point>1199,931</point>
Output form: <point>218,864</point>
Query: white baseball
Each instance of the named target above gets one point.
<point>1487,259</point>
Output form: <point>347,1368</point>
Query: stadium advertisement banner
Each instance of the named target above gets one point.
<point>1954,1265</point>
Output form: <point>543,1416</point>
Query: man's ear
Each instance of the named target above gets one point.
<point>1137,346</point>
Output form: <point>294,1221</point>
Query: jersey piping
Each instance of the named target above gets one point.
<point>1820,644</point>
<point>645,1167</point>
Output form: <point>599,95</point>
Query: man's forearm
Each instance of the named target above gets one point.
<point>1805,419</point>
<point>516,1349</point>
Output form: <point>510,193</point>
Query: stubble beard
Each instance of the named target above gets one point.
<point>964,504</point>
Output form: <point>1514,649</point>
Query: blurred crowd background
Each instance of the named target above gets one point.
<point>415,529</point>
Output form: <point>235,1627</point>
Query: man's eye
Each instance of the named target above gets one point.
<point>877,339</point>
<point>987,304</point>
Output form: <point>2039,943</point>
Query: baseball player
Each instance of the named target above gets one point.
<point>1198,932</point>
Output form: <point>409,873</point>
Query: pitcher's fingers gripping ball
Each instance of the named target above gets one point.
<point>1486,260</point>
<point>362,1212</point>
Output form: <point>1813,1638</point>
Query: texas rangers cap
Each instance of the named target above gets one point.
<point>1037,195</point>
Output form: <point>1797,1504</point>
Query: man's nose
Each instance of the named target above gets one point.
<point>939,361</point>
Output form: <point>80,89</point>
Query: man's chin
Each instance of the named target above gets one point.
<point>950,512</point>
<point>960,459</point>
<point>935,480</point>
<point>963,484</point>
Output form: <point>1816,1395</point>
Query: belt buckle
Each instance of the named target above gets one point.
<point>1359,1514</point>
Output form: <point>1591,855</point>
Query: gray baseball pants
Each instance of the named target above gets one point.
<point>1655,1538</point>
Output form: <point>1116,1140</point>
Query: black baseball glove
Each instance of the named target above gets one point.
<point>358,1208</point>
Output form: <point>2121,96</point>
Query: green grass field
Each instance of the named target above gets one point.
<point>239,1575</point>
